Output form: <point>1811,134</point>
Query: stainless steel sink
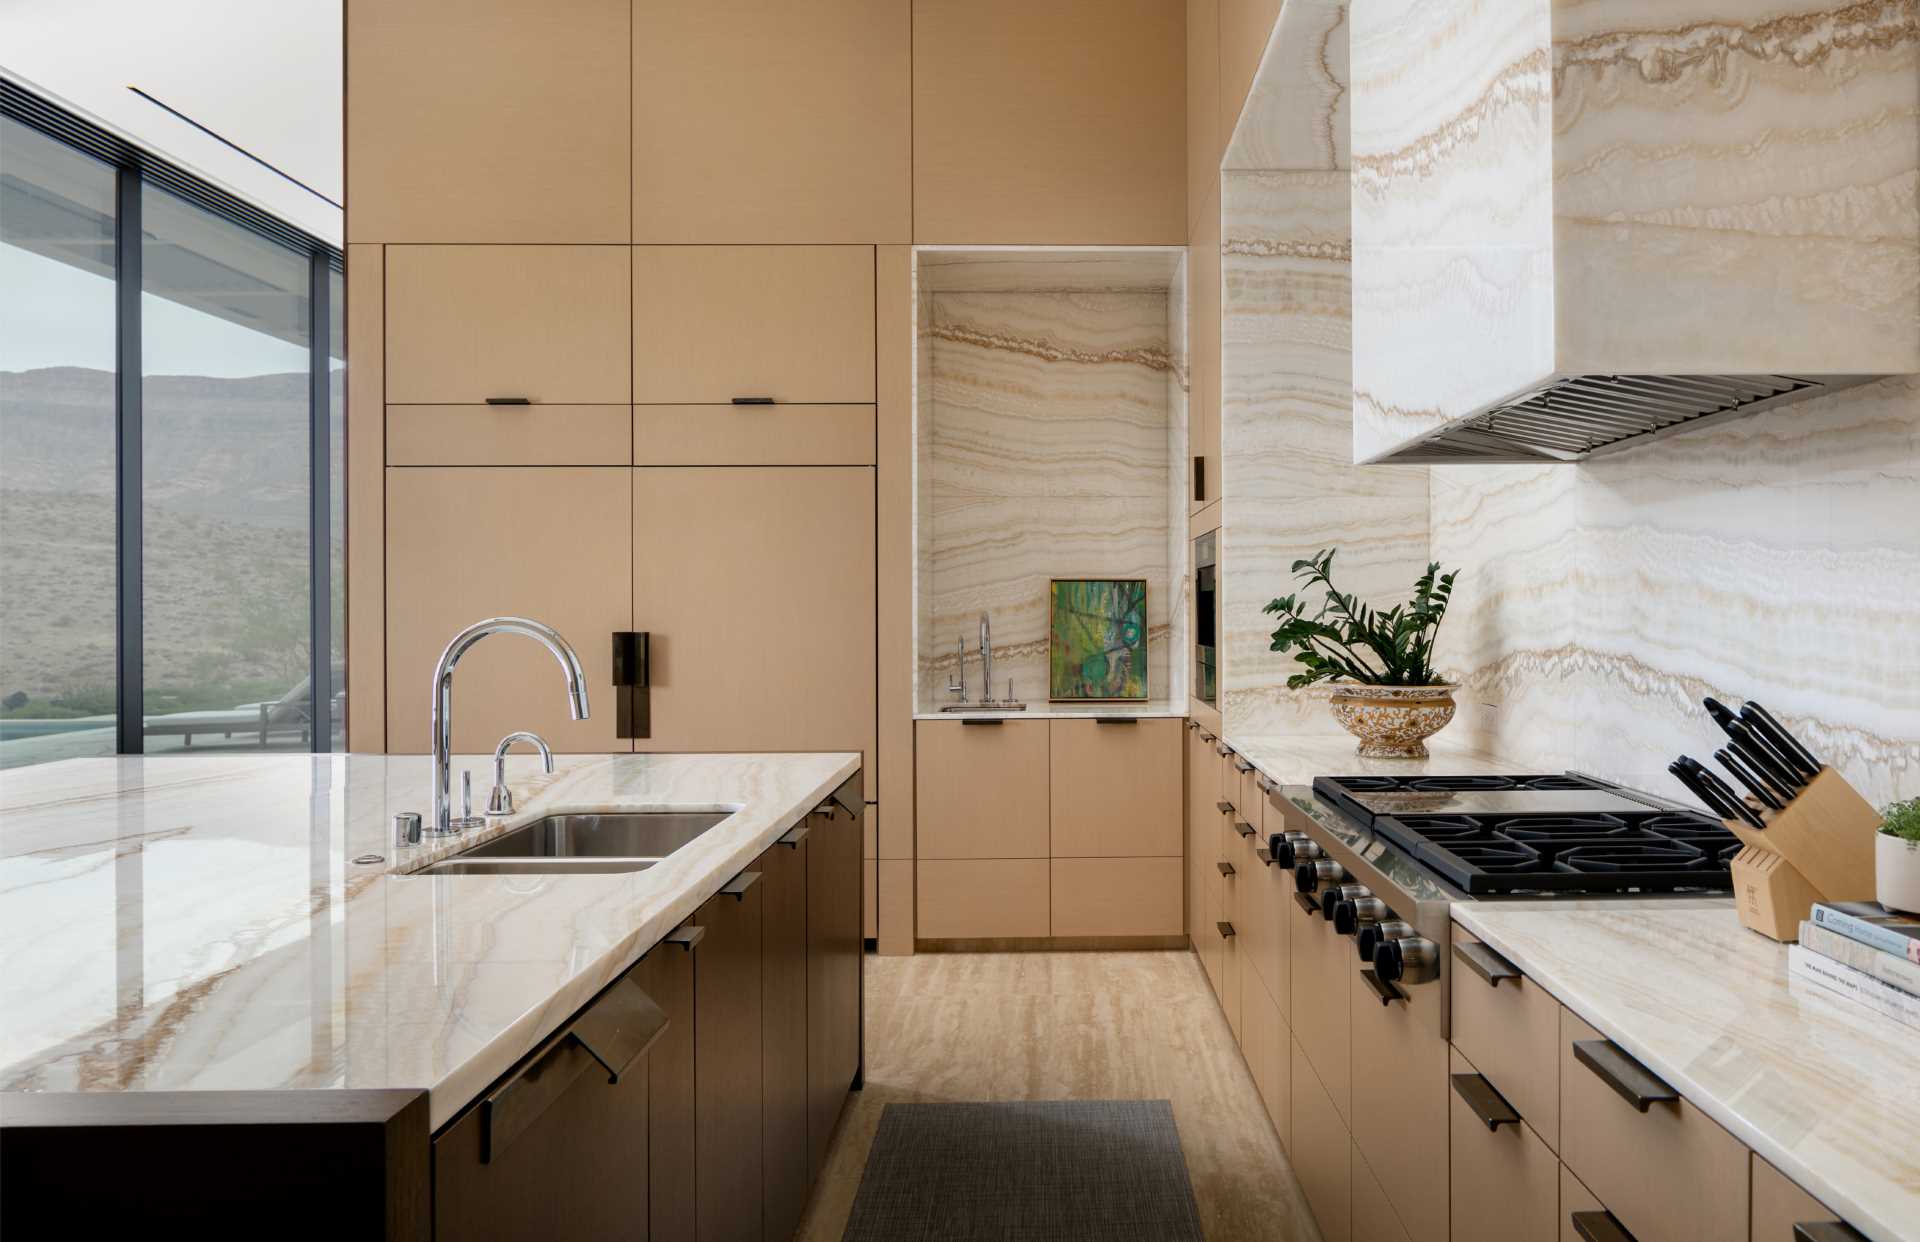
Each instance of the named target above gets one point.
<point>582,844</point>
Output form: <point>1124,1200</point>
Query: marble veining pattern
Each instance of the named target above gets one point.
<point>1296,113</point>
<point>200,924</point>
<point>1821,1087</point>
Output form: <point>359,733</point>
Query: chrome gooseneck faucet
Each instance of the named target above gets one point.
<point>442,706</point>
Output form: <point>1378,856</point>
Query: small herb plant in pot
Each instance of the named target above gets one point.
<point>1378,664</point>
<point>1896,857</point>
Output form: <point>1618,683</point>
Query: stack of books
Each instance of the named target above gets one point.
<point>1862,950</point>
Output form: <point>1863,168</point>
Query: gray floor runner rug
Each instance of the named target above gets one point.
<point>1026,1172</point>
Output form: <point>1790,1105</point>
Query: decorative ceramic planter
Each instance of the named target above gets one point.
<point>1896,873</point>
<point>1392,722</point>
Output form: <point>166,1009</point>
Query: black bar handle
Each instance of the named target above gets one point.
<point>1826,1231</point>
<point>1307,902</point>
<point>509,400</point>
<point>1224,807</point>
<point>1485,962</point>
<point>1242,827</point>
<point>753,400</point>
<point>794,837</point>
<point>1119,720</point>
<point>1226,868</point>
<point>1634,1082</point>
<point>1225,930</point>
<point>632,678</point>
<point>1264,854</point>
<point>686,937</point>
<point>1381,987</point>
<point>981,720</point>
<point>1206,737</point>
<point>1599,1227</point>
<point>1483,1101</point>
<point>737,887</point>
<point>1241,765</point>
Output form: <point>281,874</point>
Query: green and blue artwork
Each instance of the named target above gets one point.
<point>1097,639</point>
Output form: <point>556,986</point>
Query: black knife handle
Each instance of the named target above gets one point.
<point>1723,794</point>
<point>1680,772</point>
<point>1767,724</point>
<point>1760,757</point>
<point>1746,776</point>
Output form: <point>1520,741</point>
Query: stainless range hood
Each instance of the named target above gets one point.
<point>1579,227</point>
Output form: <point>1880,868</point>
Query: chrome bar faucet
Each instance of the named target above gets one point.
<point>442,703</point>
<point>986,659</point>
<point>500,801</point>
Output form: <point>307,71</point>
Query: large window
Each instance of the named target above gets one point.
<point>171,491</point>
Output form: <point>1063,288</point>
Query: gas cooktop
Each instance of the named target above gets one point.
<point>1491,835</point>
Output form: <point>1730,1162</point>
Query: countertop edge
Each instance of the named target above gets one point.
<point>1756,1139</point>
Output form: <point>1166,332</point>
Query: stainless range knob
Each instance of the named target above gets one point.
<point>1309,876</point>
<point>1365,908</point>
<point>1285,848</point>
<point>1365,936</point>
<point>1372,938</point>
<point>1409,959</point>
<point>1331,903</point>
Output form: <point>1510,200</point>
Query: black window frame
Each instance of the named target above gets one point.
<point>134,168</point>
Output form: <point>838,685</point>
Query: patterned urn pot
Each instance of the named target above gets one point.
<point>1392,722</point>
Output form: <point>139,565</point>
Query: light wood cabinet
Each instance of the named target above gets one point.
<point>1321,1152</point>
<point>1574,1197</point>
<point>1512,1028</point>
<point>983,790</point>
<point>1115,788</point>
<point>464,543</point>
<point>509,435</point>
<point>729,1076</point>
<point>753,435</point>
<point>767,121</point>
<point>1399,1096</point>
<point>488,121</point>
<point>1245,27</point>
<point>757,586</point>
<point>1374,1218</point>
<point>716,323</point>
<point>1265,1043</point>
<point>983,898</point>
<point>1325,971</point>
<point>1203,829</point>
<point>1204,137</point>
<point>1668,1174</point>
<point>1779,1205</point>
<point>1049,123</point>
<point>469,324</point>
<point>1116,896</point>
<point>1505,1181</point>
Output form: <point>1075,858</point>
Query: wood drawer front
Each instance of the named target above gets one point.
<point>1399,1088</point>
<point>1268,1048</point>
<point>753,435</point>
<point>1670,1174</point>
<point>1325,968</point>
<point>711,323</point>
<point>468,323</point>
<point>1255,897</point>
<point>768,121</point>
<point>1512,1032</point>
<point>1116,896</point>
<point>488,121</point>
<point>981,789</point>
<point>870,898</point>
<point>1505,1182</point>
<point>963,899</point>
<point>1322,1152</point>
<point>1231,982</point>
<point>1374,1219</point>
<point>1779,1205</point>
<point>1574,1197</point>
<point>1116,788</point>
<point>509,435</point>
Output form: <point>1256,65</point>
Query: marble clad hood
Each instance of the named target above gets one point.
<point>1578,224</point>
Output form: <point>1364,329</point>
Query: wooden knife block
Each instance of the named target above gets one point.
<point>1818,848</point>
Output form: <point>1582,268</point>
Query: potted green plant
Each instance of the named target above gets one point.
<point>1896,857</point>
<point>1384,689</point>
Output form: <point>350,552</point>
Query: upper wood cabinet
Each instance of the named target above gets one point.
<point>1049,121</point>
<point>465,543</point>
<point>714,323</point>
<point>488,121</point>
<point>753,435</point>
<point>1116,788</point>
<point>769,121</point>
<point>470,323</point>
<point>1203,365</point>
<point>1205,138</point>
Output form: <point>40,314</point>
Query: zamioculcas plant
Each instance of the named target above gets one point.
<point>1345,639</point>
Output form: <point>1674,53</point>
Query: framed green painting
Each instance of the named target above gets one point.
<point>1097,640</point>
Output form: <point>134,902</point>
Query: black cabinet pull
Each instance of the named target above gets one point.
<point>1225,930</point>
<point>1381,987</point>
<point>1826,1231</point>
<point>1307,902</point>
<point>981,720</point>
<point>685,937</point>
<point>1200,478</point>
<point>1224,807</point>
<point>1226,868</point>
<point>1485,1103</point>
<point>1242,827</point>
<point>1633,1081</point>
<point>632,681</point>
<point>737,887</point>
<point>509,400</point>
<point>1599,1227</point>
<point>1206,737</point>
<point>1264,785</point>
<point>1241,765</point>
<point>753,400</point>
<point>1485,962</point>
<point>1264,854</point>
<point>1223,750</point>
<point>1116,720</point>
<point>794,836</point>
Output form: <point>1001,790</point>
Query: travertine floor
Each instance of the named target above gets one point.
<point>1045,1026</point>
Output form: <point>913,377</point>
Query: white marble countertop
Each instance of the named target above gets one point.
<point>1063,711</point>
<point>1823,1088</point>
<point>201,924</point>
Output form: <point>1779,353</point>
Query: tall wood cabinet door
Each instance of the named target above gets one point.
<point>1505,1181</point>
<point>757,585</point>
<point>667,974</point>
<point>1321,1152</point>
<point>1398,1097</point>
<point>1115,788</point>
<point>982,789</point>
<point>1203,345</point>
<point>768,121</point>
<point>728,1079</point>
<point>1203,790</point>
<point>488,121</point>
<point>783,1051</point>
<point>835,960</point>
<point>1204,139</point>
<point>464,544</point>
<point>790,323</point>
<point>470,324</point>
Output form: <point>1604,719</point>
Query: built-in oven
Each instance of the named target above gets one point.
<point>1206,608</point>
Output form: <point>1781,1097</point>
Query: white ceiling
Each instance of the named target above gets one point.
<point>264,74</point>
